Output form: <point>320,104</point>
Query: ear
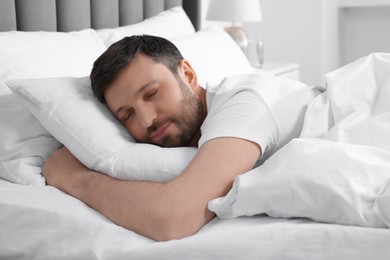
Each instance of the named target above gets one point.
<point>188,75</point>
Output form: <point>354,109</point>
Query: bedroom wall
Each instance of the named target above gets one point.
<point>317,34</point>
<point>364,30</point>
<point>290,32</point>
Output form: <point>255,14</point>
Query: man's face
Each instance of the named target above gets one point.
<point>154,105</point>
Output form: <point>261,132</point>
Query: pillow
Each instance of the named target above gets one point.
<point>213,55</point>
<point>24,143</point>
<point>67,108</point>
<point>168,24</point>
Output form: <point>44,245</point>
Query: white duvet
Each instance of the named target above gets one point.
<point>339,170</point>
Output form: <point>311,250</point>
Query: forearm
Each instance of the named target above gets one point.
<point>150,209</point>
<point>159,211</point>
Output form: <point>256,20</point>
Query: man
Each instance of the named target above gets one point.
<point>154,92</point>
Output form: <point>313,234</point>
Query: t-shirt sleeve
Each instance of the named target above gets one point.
<point>243,115</point>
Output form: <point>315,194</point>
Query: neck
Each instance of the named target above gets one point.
<point>202,97</point>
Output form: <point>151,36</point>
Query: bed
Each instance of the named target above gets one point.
<point>324,195</point>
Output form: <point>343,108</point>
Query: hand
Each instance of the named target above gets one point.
<point>61,169</point>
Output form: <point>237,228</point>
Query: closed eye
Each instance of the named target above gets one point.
<point>152,93</point>
<point>126,115</point>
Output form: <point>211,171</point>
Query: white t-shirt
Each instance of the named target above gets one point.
<point>261,108</point>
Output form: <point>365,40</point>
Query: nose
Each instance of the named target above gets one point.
<point>146,116</point>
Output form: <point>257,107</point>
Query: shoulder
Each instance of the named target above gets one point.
<point>237,109</point>
<point>265,86</point>
<point>218,94</point>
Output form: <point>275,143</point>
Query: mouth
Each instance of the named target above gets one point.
<point>161,132</point>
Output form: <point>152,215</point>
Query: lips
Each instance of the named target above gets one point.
<point>161,132</point>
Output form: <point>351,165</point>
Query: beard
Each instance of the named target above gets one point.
<point>188,121</point>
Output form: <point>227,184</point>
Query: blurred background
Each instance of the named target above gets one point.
<point>319,35</point>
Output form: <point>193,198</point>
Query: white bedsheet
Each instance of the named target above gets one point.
<point>45,223</point>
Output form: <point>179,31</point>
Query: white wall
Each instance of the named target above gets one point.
<point>363,31</point>
<point>330,38</point>
<point>317,34</point>
<point>291,30</point>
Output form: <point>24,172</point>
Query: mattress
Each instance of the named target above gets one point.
<point>45,223</point>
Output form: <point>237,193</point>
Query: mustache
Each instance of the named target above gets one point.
<point>157,124</point>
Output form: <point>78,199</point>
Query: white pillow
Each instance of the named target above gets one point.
<point>67,108</point>
<point>213,54</point>
<point>168,24</point>
<point>24,143</point>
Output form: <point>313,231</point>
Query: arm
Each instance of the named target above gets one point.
<point>159,211</point>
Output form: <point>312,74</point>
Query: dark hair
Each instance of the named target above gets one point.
<point>120,54</point>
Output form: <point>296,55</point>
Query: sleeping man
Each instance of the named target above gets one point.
<point>154,92</point>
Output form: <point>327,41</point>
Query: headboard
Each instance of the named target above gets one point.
<point>73,15</point>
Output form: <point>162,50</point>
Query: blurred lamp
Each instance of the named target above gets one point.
<point>235,11</point>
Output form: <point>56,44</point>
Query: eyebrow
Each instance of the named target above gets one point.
<point>142,88</point>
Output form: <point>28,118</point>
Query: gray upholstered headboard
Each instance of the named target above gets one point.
<point>73,15</point>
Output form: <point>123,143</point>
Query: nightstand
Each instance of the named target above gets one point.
<point>284,70</point>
